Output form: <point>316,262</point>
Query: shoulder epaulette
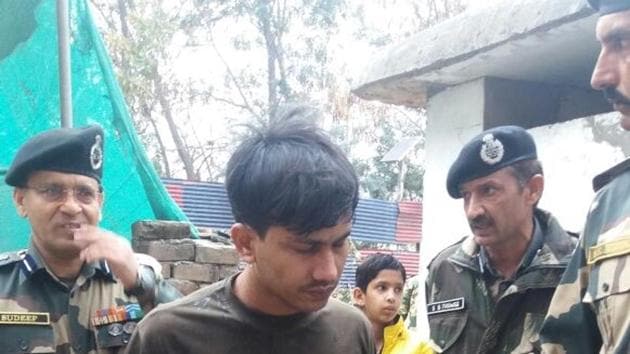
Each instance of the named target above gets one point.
<point>604,178</point>
<point>11,257</point>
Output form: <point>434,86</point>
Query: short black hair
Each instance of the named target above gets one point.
<point>369,269</point>
<point>289,173</point>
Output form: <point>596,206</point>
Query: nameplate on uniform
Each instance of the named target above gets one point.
<point>445,306</point>
<point>25,318</point>
<point>609,249</point>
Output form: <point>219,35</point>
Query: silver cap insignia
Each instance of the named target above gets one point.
<point>491,150</point>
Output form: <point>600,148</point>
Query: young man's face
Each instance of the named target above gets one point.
<point>497,207</point>
<point>612,71</point>
<point>297,274</point>
<point>381,300</point>
<point>56,204</point>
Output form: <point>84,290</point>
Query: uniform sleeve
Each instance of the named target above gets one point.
<point>152,289</point>
<point>409,291</point>
<point>570,325</point>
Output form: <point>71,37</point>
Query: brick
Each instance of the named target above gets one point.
<point>184,286</point>
<point>173,250</point>
<point>214,253</point>
<point>195,271</point>
<point>225,271</point>
<point>159,229</point>
<point>167,269</point>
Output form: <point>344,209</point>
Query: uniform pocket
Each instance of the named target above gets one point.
<point>608,292</point>
<point>609,277</point>
<point>447,327</point>
<point>27,339</point>
<point>114,335</point>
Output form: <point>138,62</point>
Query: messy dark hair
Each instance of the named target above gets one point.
<point>290,174</point>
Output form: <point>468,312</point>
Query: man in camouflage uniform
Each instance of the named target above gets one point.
<point>77,288</point>
<point>489,292</point>
<point>589,312</point>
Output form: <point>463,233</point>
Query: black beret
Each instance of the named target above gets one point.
<point>609,6</point>
<point>489,152</point>
<point>68,150</point>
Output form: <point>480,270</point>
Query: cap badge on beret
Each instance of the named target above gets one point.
<point>491,150</point>
<point>96,153</point>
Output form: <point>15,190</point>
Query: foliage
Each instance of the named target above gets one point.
<point>193,70</point>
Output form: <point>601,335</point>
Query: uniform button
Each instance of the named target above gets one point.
<point>23,345</point>
<point>605,287</point>
<point>77,347</point>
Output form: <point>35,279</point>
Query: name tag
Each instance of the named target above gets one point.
<point>445,306</point>
<point>609,249</point>
<point>25,318</point>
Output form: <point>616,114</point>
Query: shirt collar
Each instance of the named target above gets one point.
<point>32,263</point>
<point>534,245</point>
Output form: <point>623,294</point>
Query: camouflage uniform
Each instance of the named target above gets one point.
<point>589,311</point>
<point>408,304</point>
<point>470,310</point>
<point>39,313</point>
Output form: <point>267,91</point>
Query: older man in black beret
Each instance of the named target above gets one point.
<point>589,311</point>
<point>77,288</point>
<point>489,292</point>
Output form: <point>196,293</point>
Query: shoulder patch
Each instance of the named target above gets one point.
<point>11,257</point>
<point>604,178</point>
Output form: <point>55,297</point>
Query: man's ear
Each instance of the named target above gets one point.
<point>358,297</point>
<point>18,201</point>
<point>243,238</point>
<point>536,185</point>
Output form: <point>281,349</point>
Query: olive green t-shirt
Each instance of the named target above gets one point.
<point>213,320</point>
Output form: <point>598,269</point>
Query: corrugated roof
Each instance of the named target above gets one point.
<point>205,203</point>
<point>375,221</point>
<point>409,225</point>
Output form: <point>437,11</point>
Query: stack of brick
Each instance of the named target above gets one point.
<point>186,262</point>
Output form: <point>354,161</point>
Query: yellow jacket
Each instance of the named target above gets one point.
<point>398,340</point>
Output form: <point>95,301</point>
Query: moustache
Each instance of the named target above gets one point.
<point>480,222</point>
<point>613,96</point>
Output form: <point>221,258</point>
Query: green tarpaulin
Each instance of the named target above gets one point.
<point>29,104</point>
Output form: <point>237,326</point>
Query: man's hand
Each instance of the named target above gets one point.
<point>99,244</point>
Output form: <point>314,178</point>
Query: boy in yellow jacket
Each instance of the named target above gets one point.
<point>379,286</point>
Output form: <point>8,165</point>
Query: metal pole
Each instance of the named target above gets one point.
<point>65,80</point>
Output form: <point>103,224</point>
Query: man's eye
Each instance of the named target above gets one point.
<point>341,243</point>
<point>489,190</point>
<point>307,249</point>
<point>53,191</point>
<point>86,192</point>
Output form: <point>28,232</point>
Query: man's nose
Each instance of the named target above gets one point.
<point>473,208</point>
<point>70,204</point>
<point>605,73</point>
<point>326,267</point>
